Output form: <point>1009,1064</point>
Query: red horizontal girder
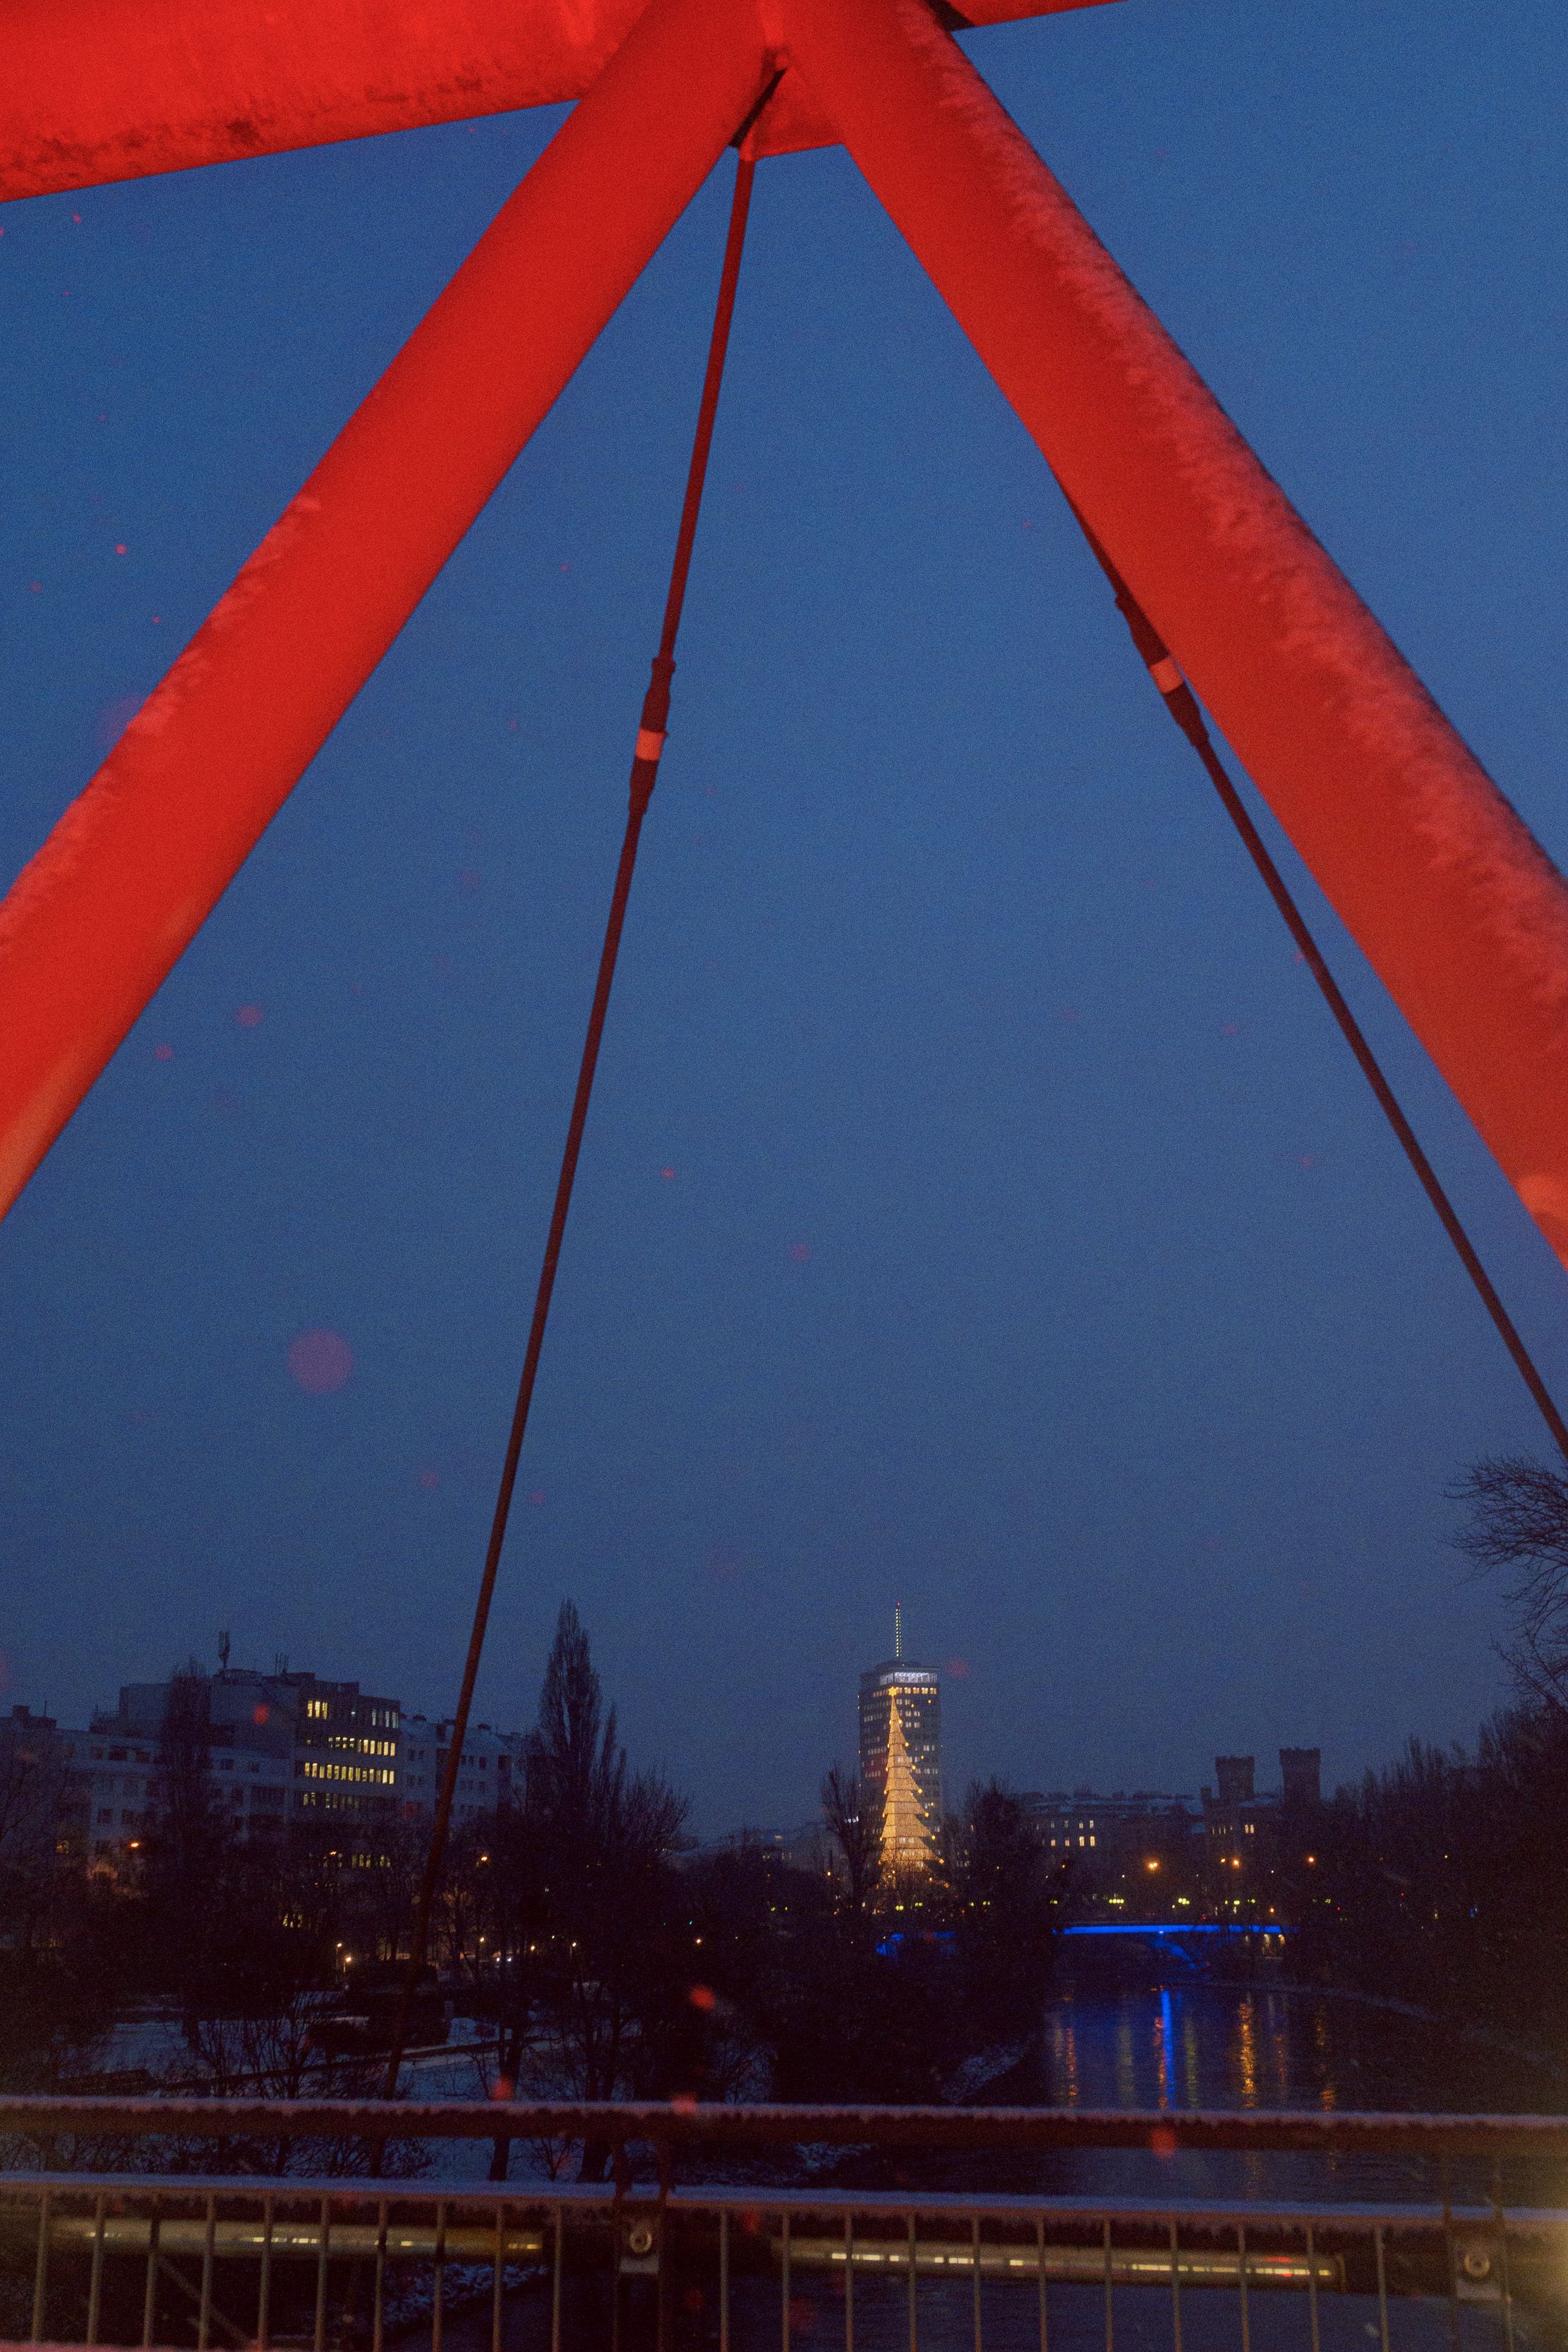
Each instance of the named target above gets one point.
<point>112,90</point>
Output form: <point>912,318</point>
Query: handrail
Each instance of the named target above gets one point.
<point>348,2192</point>
<point>687,2121</point>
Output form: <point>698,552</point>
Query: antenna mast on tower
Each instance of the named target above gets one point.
<point>897,1628</point>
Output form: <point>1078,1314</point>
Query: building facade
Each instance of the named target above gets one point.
<point>489,1774</point>
<point>346,1745</point>
<point>284,1750</point>
<point>1242,1825</point>
<point>901,1755</point>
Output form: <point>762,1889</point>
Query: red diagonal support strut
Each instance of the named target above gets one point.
<point>1457,907</point>
<point>135,865</point>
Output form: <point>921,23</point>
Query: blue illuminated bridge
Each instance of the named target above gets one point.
<point>1175,1935</point>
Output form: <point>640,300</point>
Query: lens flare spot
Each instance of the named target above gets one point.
<point>429,1480</point>
<point>163,1052</point>
<point>702,1997</point>
<point>800,1252</point>
<point>319,1361</point>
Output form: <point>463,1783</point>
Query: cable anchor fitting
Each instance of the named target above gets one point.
<point>652,732</point>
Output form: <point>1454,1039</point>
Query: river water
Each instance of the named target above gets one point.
<point>1199,2045</point>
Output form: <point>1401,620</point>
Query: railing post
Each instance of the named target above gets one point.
<point>848,2282</point>
<point>203,2316</point>
<point>95,2288</point>
<point>378,2287</point>
<point>149,2288</point>
<point>324,2233</point>
<point>913,2285</point>
<point>41,2266</point>
<point>437,2306</point>
<point>975,2282</point>
<point>723,2278</point>
<point>555,2279</point>
<point>784,2283</point>
<point>1040,2253</point>
<point>264,2284</point>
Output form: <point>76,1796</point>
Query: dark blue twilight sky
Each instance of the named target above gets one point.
<point>978,1206</point>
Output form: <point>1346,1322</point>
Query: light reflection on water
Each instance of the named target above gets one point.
<point>1175,2046</point>
<point>1257,2047</point>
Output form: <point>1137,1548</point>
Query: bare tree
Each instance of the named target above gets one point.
<point>32,1791</point>
<point>583,1868</point>
<point>852,1810</point>
<point>1518,1529</point>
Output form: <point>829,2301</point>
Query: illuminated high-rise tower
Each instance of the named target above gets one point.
<point>900,1753</point>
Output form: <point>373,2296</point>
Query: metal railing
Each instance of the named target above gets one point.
<point>132,2252</point>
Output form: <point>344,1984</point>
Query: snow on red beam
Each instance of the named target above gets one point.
<point>126,88</point>
<point>1451,899</point>
<point>95,921</point>
<point>42,2119</point>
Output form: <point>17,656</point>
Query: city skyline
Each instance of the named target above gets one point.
<point>284,1729</point>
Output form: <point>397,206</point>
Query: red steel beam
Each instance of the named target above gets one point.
<point>1449,896</point>
<point>135,866</point>
<point>112,90</point>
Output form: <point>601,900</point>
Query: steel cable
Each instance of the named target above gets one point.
<point>1182,704</point>
<point>644,775</point>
